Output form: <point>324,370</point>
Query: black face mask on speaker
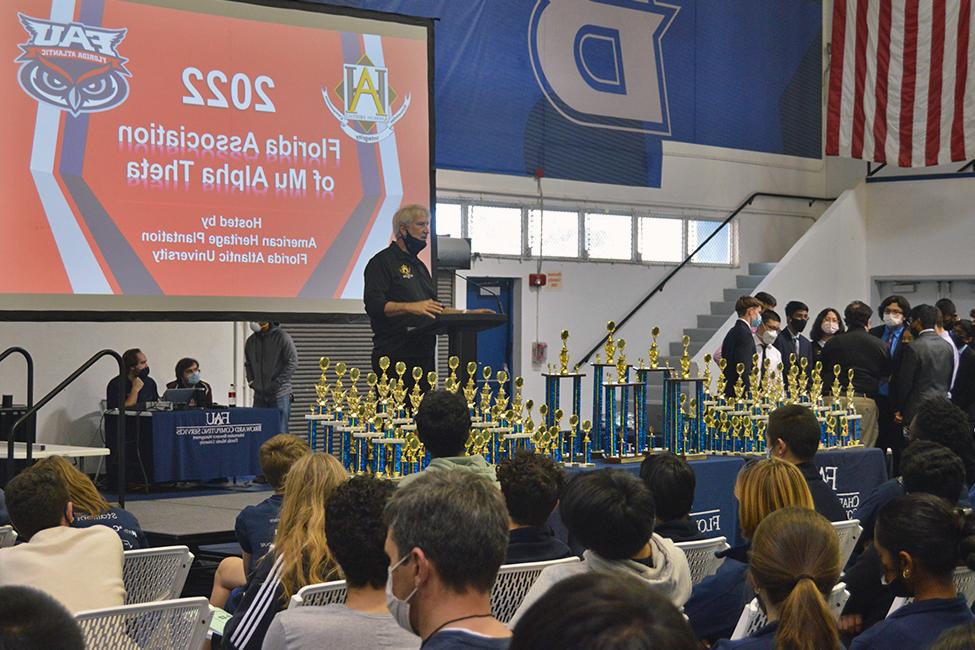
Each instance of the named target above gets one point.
<point>413,244</point>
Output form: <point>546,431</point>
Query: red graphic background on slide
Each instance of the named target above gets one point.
<point>128,224</point>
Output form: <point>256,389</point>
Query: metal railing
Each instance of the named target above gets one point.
<point>60,387</point>
<point>30,403</point>
<point>687,260</point>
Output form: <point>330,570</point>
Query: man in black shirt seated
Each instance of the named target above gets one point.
<point>139,386</point>
<point>793,435</point>
<point>531,485</point>
<point>672,483</point>
<point>188,376</point>
<point>855,349</point>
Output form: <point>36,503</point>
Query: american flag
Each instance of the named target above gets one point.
<point>899,87</point>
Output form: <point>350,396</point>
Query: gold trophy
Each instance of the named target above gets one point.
<point>564,354</point>
<point>685,358</point>
<point>836,388</point>
<point>501,399</point>
<point>573,425</point>
<point>486,391</point>
<point>610,347</point>
<point>432,380</point>
<point>654,353</point>
<point>453,385</point>
<point>722,379</point>
<point>739,383</point>
<point>586,428</point>
<point>324,363</point>
<point>707,377</point>
<point>416,395</point>
<point>621,365</point>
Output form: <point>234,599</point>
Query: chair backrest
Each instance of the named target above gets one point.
<point>513,582</point>
<point>752,618</point>
<point>323,593</point>
<point>964,579</point>
<point>154,574</point>
<point>849,532</point>
<point>7,536</point>
<point>180,624</point>
<point>701,556</point>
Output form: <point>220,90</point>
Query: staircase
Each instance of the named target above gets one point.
<point>707,325</point>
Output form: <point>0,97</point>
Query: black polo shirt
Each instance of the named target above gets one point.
<point>393,275</point>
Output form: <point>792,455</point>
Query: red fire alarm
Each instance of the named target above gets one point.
<point>536,280</point>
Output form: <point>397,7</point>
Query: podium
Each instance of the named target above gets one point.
<point>461,330</point>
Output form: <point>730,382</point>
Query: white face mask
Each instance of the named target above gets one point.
<point>769,336</point>
<point>831,327</point>
<point>255,327</point>
<point>400,609</point>
<point>893,320</point>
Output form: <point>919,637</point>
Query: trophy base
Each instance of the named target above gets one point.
<point>695,456</point>
<point>624,460</point>
<point>580,465</point>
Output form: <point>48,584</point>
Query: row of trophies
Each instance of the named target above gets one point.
<point>374,432</point>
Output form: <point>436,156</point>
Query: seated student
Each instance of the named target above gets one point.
<point>762,488</point>
<point>602,610</point>
<point>672,483</point>
<point>531,485</point>
<point>90,507</point>
<point>356,535</point>
<point>255,525</point>
<point>300,555</point>
<point>446,538</point>
<point>927,468</point>
<point>139,386</point>
<point>611,512</point>
<point>961,637</point>
<point>937,420</point>
<point>188,376</point>
<point>32,620</point>
<point>793,565</point>
<point>443,424</point>
<point>921,539</point>
<point>793,435</point>
<point>80,567</point>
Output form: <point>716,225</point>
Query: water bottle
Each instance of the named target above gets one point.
<point>232,396</point>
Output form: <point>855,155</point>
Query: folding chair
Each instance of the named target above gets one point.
<point>154,574</point>
<point>702,558</point>
<point>752,618</point>
<point>180,624</point>
<point>964,579</point>
<point>513,582</point>
<point>849,532</point>
<point>323,593</point>
<point>7,536</point>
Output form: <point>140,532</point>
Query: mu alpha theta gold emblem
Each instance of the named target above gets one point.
<point>405,271</point>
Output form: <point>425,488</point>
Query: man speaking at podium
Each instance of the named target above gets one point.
<point>399,294</point>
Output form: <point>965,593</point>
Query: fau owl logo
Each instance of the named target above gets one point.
<point>599,62</point>
<point>73,66</point>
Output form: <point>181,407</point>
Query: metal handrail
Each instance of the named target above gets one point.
<point>30,402</point>
<point>660,285</point>
<point>122,371</point>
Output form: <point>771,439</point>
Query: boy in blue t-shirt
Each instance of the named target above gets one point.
<point>257,524</point>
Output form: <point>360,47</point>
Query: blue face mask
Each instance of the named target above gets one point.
<point>194,378</point>
<point>756,322</point>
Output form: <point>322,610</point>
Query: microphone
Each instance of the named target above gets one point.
<point>479,285</point>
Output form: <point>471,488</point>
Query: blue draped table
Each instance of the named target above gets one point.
<point>852,473</point>
<point>192,445</point>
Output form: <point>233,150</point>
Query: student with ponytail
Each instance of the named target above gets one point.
<point>794,564</point>
<point>921,539</point>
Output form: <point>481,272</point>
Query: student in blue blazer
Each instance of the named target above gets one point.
<point>795,562</point>
<point>921,538</point>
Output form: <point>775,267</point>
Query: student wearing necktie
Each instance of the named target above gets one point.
<point>765,337</point>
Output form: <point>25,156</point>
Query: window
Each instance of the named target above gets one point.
<point>718,250</point>
<point>660,240</point>
<point>448,220</point>
<point>554,234</point>
<point>609,236</point>
<point>494,230</point>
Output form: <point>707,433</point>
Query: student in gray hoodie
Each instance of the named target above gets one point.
<point>270,360</point>
<point>612,513</point>
<point>443,424</point>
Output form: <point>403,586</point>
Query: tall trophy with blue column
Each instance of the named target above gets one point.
<point>684,425</point>
<point>646,377</point>
<point>619,417</point>
<point>553,397</point>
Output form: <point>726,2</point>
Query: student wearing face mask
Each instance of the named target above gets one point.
<point>826,325</point>
<point>769,356</point>
<point>270,361</point>
<point>894,333</point>
<point>738,346</point>
<point>139,386</point>
<point>188,376</point>
<point>791,342</point>
<point>921,539</point>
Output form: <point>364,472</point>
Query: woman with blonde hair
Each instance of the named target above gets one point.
<point>300,555</point>
<point>794,564</point>
<point>762,488</point>
<point>89,507</point>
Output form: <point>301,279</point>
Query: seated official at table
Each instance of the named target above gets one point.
<point>188,376</point>
<point>139,386</point>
